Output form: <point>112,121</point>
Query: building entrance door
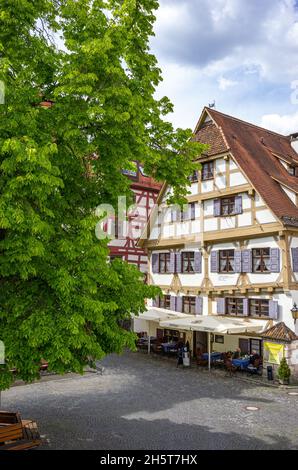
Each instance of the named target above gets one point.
<point>200,342</point>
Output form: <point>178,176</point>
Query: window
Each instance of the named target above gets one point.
<point>164,263</point>
<point>235,306</point>
<point>194,177</point>
<point>190,213</point>
<point>219,339</point>
<point>207,171</point>
<point>227,206</point>
<point>188,262</point>
<point>247,346</point>
<point>259,307</point>
<point>172,335</point>
<point>189,305</point>
<point>261,260</point>
<point>165,302</point>
<point>226,261</point>
<point>255,346</point>
<point>293,170</point>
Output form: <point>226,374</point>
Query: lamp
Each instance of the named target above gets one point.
<point>294,311</point>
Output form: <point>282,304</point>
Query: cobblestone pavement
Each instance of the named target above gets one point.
<point>142,402</point>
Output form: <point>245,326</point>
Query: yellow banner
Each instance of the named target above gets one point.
<point>273,352</point>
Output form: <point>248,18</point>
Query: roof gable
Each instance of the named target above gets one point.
<point>253,149</point>
<point>280,332</point>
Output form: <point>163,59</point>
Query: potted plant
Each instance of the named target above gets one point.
<point>284,372</point>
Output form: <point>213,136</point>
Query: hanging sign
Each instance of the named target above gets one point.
<point>273,352</point>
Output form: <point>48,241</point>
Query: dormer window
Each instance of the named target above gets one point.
<point>207,171</point>
<point>293,170</point>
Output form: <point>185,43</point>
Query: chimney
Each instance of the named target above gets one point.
<point>294,141</point>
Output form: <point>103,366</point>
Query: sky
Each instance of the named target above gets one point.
<point>242,54</point>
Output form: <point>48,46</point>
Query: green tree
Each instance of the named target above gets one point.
<point>284,371</point>
<point>59,297</point>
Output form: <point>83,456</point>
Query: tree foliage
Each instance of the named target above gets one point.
<point>59,297</point>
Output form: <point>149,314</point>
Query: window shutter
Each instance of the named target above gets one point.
<point>155,302</point>
<point>199,305</point>
<point>174,215</point>
<point>198,262</point>
<point>273,309</point>
<point>172,263</point>
<point>155,259</point>
<point>216,207</point>
<point>193,211</point>
<point>221,306</point>
<point>214,261</point>
<point>178,263</point>
<point>179,304</point>
<point>173,302</point>
<point>275,260</point>
<point>245,307</point>
<point>238,205</point>
<point>237,261</point>
<point>246,261</point>
<point>204,171</point>
<point>295,259</point>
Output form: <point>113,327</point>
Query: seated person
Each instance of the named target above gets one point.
<point>254,356</point>
<point>237,354</point>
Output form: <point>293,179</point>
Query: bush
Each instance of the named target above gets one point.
<point>284,372</point>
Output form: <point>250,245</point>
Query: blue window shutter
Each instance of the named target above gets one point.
<point>221,306</point>
<point>216,207</point>
<point>238,205</point>
<point>192,211</point>
<point>245,307</point>
<point>155,302</point>
<point>178,263</point>
<point>174,215</point>
<point>199,305</point>
<point>173,303</point>
<point>247,261</point>
<point>237,261</point>
<point>273,309</point>
<point>155,259</point>
<point>214,261</point>
<point>198,262</point>
<point>178,304</point>
<point>172,263</point>
<point>295,259</point>
<point>274,260</point>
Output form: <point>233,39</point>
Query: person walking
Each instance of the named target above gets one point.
<point>180,354</point>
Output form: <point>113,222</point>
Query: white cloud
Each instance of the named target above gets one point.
<point>225,83</point>
<point>242,54</point>
<point>286,124</point>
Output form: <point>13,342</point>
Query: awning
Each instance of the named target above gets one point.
<point>161,314</point>
<point>216,324</point>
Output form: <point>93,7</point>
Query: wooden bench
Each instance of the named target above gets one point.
<point>19,436</point>
<point>7,417</point>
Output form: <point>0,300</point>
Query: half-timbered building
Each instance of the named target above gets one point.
<point>127,231</point>
<point>231,255</point>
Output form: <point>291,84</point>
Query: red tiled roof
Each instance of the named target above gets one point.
<point>210,134</point>
<point>280,332</point>
<point>253,148</point>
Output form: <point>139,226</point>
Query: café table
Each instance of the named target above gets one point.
<point>214,356</point>
<point>241,363</point>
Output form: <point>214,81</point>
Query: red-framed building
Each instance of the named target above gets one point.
<point>127,233</point>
